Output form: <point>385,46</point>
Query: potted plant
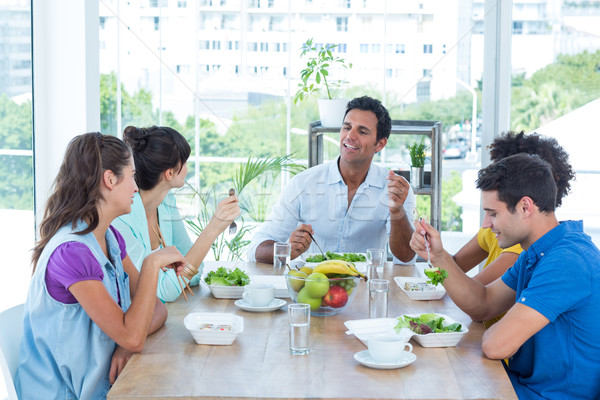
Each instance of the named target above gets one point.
<point>315,79</point>
<point>261,171</point>
<point>417,163</point>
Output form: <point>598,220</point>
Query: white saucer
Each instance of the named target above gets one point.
<point>364,357</point>
<point>275,305</point>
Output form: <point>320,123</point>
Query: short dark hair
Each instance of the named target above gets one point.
<point>517,176</point>
<point>155,150</point>
<point>366,103</point>
<point>546,147</point>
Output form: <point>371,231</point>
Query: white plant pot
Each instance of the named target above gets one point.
<point>331,112</point>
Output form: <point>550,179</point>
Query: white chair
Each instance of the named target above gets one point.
<point>11,331</point>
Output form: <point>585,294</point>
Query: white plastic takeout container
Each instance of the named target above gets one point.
<point>194,321</point>
<point>434,294</point>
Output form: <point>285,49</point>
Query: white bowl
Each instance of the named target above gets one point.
<point>447,339</point>
<point>365,328</point>
<point>226,292</point>
<point>434,294</point>
<point>235,292</point>
<point>195,323</point>
<point>360,265</point>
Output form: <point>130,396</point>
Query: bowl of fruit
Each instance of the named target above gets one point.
<point>328,288</point>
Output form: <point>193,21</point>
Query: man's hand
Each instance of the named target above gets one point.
<point>300,240</point>
<point>117,363</point>
<point>426,233</point>
<point>398,188</point>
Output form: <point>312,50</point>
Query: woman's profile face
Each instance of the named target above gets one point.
<point>126,188</point>
<point>179,176</point>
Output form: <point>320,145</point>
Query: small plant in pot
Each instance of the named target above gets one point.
<point>417,163</point>
<point>316,79</point>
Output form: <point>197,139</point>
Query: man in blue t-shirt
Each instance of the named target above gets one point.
<point>551,294</point>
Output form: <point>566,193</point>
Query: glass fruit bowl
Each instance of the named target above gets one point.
<point>325,295</point>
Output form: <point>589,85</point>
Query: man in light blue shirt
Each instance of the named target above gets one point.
<point>348,205</point>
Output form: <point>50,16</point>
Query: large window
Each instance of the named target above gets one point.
<point>16,152</point>
<point>237,101</point>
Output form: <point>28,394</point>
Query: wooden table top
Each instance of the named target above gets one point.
<point>258,364</point>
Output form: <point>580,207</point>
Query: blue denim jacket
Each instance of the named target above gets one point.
<point>63,353</point>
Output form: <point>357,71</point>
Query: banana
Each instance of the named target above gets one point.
<point>335,267</point>
<point>353,268</point>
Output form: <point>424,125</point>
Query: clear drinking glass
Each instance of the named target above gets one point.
<point>299,316</point>
<point>375,259</point>
<point>378,298</point>
<point>282,252</point>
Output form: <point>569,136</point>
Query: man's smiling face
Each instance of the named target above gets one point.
<point>358,137</point>
<point>508,227</point>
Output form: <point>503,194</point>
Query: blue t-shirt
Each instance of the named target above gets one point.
<point>559,277</point>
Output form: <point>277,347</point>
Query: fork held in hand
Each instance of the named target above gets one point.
<point>320,249</point>
<point>233,226</point>
<point>418,218</point>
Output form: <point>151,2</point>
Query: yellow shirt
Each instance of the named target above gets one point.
<point>488,242</point>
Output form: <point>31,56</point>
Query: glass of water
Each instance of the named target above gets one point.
<point>375,259</point>
<point>282,252</point>
<point>378,298</point>
<point>299,316</point>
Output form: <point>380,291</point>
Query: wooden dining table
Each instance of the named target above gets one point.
<point>258,365</point>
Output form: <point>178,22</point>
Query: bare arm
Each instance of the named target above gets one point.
<point>506,336</point>
<point>227,210</point>
<point>130,329</point>
<point>479,301</point>
<point>472,254</point>
<point>299,239</point>
<point>401,228</point>
<point>496,268</point>
<point>160,310</point>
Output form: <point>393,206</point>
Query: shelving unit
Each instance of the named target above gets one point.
<point>431,129</point>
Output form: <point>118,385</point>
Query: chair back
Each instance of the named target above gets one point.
<point>11,331</point>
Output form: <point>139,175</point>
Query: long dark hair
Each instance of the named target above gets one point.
<point>155,150</point>
<point>77,185</point>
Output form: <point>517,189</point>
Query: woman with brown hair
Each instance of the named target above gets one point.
<point>88,307</point>
<point>160,154</point>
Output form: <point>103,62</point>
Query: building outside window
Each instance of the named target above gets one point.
<point>342,24</point>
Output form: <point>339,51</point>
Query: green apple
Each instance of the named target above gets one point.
<point>296,284</point>
<point>317,284</point>
<point>303,297</point>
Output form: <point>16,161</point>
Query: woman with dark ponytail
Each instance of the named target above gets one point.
<point>88,307</point>
<point>160,155</point>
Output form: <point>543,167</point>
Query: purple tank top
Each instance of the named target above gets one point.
<point>73,262</point>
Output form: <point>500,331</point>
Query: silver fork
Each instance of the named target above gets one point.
<point>320,249</point>
<point>418,218</point>
<point>233,226</point>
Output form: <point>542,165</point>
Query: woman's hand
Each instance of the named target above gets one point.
<point>168,258</point>
<point>117,363</point>
<point>227,210</point>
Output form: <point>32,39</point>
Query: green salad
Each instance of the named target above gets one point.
<point>226,277</point>
<point>436,275</point>
<point>426,323</point>
<point>351,257</point>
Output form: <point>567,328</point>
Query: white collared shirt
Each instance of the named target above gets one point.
<point>319,197</point>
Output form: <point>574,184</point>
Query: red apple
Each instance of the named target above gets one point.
<point>336,297</point>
